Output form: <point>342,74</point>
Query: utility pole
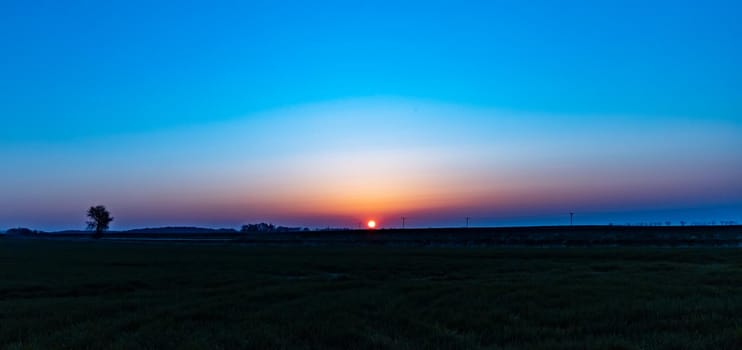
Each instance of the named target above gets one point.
<point>404,218</point>
<point>467,221</point>
<point>571,218</point>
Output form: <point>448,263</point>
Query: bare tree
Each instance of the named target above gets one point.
<point>100,218</point>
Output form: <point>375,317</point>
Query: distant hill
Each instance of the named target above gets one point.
<point>170,230</point>
<point>178,230</point>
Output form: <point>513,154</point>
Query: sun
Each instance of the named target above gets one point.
<point>371,224</point>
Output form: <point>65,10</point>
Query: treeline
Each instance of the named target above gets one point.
<point>23,231</point>
<point>249,228</point>
<point>269,228</point>
<point>681,223</point>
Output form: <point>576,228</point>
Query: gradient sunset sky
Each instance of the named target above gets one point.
<point>330,113</point>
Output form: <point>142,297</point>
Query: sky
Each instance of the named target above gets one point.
<point>332,113</point>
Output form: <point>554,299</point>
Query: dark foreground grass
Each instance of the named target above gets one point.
<point>102,295</point>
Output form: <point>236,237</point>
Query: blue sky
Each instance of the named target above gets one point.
<point>80,81</point>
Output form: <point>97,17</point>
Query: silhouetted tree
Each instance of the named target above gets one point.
<point>100,218</point>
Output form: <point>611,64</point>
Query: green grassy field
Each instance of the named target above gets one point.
<point>103,295</point>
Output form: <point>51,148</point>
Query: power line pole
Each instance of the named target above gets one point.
<point>571,218</point>
<point>404,218</point>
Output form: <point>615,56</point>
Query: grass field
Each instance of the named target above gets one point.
<point>104,295</point>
